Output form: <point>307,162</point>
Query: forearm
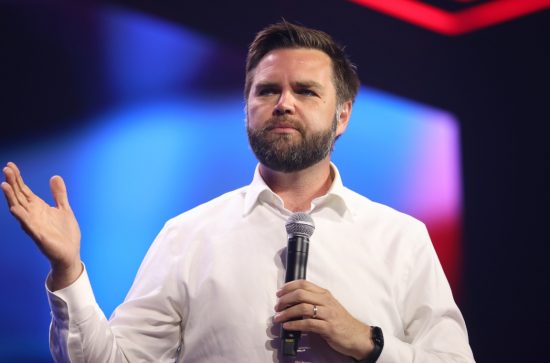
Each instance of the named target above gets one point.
<point>79,331</point>
<point>398,351</point>
<point>88,341</point>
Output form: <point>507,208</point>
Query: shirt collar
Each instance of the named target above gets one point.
<point>336,198</point>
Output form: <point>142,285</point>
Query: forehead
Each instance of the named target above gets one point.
<point>295,64</point>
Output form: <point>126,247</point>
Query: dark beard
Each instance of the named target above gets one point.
<point>280,152</point>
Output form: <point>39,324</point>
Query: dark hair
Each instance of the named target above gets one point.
<point>288,35</point>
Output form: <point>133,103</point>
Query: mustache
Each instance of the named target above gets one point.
<point>285,121</point>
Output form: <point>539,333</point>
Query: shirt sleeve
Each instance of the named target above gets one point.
<point>146,327</point>
<point>79,327</point>
<point>434,329</point>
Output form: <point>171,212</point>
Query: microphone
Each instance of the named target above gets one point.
<point>299,228</point>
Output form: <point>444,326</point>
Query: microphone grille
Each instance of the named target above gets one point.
<point>300,223</point>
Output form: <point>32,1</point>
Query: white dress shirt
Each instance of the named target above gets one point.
<point>205,291</point>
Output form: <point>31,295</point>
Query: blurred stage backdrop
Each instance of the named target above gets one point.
<point>139,106</point>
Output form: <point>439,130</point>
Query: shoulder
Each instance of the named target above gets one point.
<point>226,205</point>
<point>371,214</point>
<point>198,224</point>
<point>185,234</point>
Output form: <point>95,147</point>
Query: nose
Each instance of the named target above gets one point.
<point>285,104</point>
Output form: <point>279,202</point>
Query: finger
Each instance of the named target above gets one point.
<point>303,310</point>
<point>9,194</point>
<point>24,187</point>
<point>297,297</point>
<point>298,284</point>
<point>18,177</point>
<point>11,179</point>
<point>310,325</point>
<point>59,192</point>
<point>15,208</point>
<point>20,182</point>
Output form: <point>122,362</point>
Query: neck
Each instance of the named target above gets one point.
<point>298,189</point>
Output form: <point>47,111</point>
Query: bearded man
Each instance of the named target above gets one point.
<point>212,289</point>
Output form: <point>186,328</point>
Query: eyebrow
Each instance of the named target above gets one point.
<point>297,84</point>
<point>307,84</point>
<point>266,85</point>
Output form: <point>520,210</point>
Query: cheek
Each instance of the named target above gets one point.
<point>254,114</point>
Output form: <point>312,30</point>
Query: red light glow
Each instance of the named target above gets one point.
<point>455,23</point>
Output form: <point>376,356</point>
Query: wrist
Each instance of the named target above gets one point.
<point>376,345</point>
<point>363,344</point>
<point>63,276</point>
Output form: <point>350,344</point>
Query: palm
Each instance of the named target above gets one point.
<point>53,228</point>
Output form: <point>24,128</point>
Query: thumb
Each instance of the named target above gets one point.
<point>59,191</point>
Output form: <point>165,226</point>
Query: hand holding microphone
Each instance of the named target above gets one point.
<point>299,228</point>
<point>298,299</point>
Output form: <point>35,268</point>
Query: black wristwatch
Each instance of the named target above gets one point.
<point>378,341</point>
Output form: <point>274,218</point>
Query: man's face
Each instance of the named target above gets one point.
<point>292,120</point>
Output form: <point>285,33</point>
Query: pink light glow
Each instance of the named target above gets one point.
<point>455,23</point>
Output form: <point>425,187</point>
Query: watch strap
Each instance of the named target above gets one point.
<point>378,342</point>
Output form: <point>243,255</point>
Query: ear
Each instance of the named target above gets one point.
<point>343,117</point>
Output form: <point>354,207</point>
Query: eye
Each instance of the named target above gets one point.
<point>267,91</point>
<point>306,92</point>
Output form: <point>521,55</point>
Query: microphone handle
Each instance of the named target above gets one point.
<point>296,265</point>
<point>296,258</point>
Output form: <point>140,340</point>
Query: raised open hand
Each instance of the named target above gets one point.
<point>53,228</point>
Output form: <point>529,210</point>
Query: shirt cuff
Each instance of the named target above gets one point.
<point>395,350</point>
<point>74,300</point>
